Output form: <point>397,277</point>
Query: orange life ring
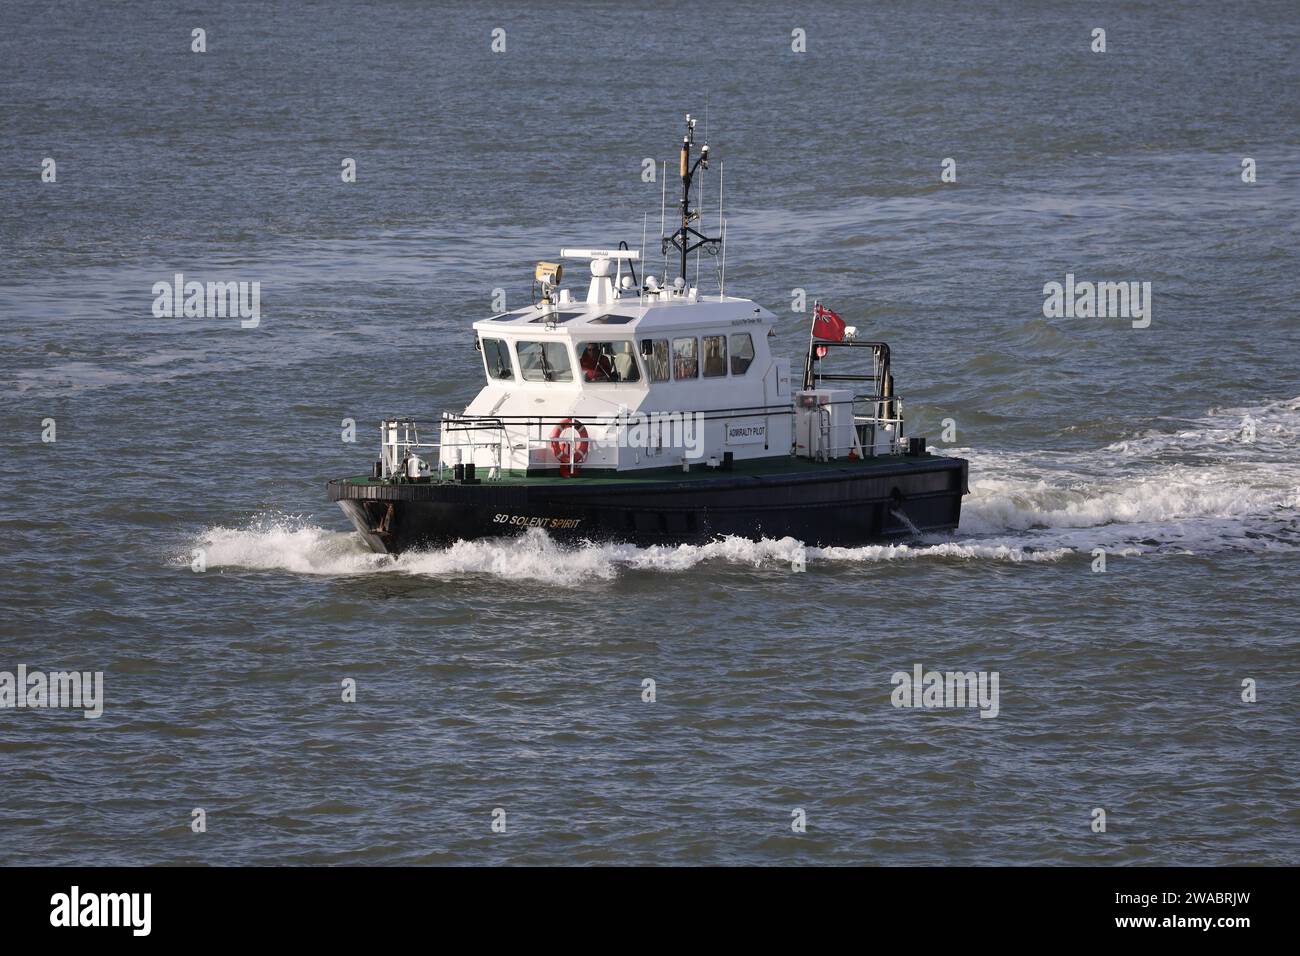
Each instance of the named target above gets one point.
<point>570,451</point>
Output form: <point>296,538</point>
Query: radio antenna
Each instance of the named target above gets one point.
<point>722,285</point>
<point>663,207</point>
<point>701,212</point>
<point>686,239</point>
<point>722,168</point>
<point>703,182</point>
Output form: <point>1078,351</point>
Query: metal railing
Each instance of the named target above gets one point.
<point>878,410</point>
<point>400,437</point>
<point>399,443</point>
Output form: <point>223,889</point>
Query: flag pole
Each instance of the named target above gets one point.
<point>808,359</point>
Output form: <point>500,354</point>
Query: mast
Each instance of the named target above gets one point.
<point>686,239</point>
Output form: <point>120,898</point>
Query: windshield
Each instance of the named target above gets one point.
<point>496,356</point>
<point>608,362</point>
<point>544,362</point>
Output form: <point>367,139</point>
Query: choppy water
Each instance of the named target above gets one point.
<point>510,675</point>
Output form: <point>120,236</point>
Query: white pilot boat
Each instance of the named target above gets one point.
<point>653,413</point>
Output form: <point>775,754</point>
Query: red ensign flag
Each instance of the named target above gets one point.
<point>827,325</point>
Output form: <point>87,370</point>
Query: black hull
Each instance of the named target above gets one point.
<point>827,505</point>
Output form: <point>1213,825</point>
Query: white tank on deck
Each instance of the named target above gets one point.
<point>823,424</point>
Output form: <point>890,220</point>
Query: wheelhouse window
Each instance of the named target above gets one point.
<point>544,362</point>
<point>742,353</point>
<point>686,358</point>
<point>715,355</point>
<point>608,362</point>
<point>656,355</point>
<point>496,357</point>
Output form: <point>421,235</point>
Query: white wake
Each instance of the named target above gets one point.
<point>1227,481</point>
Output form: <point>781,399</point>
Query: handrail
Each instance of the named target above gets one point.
<point>811,376</point>
<point>711,414</point>
<point>510,433</point>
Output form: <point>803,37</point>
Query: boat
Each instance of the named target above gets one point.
<point>650,412</point>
